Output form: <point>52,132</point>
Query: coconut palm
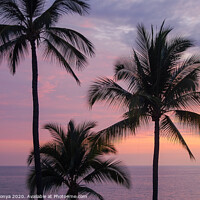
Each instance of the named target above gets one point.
<point>74,158</point>
<point>160,83</point>
<point>26,24</point>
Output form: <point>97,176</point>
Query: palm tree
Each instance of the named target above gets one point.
<point>159,83</point>
<point>25,23</point>
<point>74,158</point>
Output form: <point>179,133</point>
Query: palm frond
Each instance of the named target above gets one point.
<point>157,53</point>
<point>57,132</point>
<point>50,152</point>
<point>19,51</point>
<point>30,158</point>
<point>97,147</point>
<point>74,57</point>
<point>79,135</point>
<point>184,68</point>
<point>100,146</point>
<point>138,116</point>
<point>119,130</point>
<point>85,130</point>
<point>6,48</point>
<point>125,70</point>
<point>75,38</point>
<point>58,8</point>
<point>10,12</point>
<point>71,126</point>
<point>53,152</point>
<point>190,119</point>
<point>143,38</point>
<point>143,43</point>
<point>52,179</point>
<point>184,101</point>
<point>32,8</point>
<point>176,47</point>
<point>143,101</point>
<point>31,180</point>
<point>15,50</point>
<point>142,76</point>
<point>161,36</point>
<point>52,52</point>
<point>172,133</point>
<point>184,78</point>
<point>105,89</point>
<point>108,170</point>
<point>86,126</point>
<point>89,192</point>
<point>10,32</point>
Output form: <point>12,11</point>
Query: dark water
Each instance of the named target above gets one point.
<point>175,183</point>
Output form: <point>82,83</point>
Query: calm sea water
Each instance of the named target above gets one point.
<point>175,183</point>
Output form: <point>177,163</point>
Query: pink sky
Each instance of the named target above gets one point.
<point>111,27</point>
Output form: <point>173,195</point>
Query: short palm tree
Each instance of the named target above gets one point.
<point>74,158</point>
<point>25,23</point>
<point>159,83</point>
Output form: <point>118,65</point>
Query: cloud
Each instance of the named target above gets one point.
<point>182,15</point>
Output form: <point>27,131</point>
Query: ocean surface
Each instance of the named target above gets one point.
<point>175,183</point>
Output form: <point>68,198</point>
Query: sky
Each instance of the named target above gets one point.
<point>111,27</point>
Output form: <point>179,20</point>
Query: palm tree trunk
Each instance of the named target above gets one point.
<point>155,160</point>
<point>36,119</point>
<point>72,192</point>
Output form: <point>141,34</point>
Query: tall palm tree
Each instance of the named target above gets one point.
<point>25,23</point>
<point>74,158</point>
<point>159,83</point>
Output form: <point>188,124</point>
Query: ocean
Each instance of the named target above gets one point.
<point>175,183</point>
